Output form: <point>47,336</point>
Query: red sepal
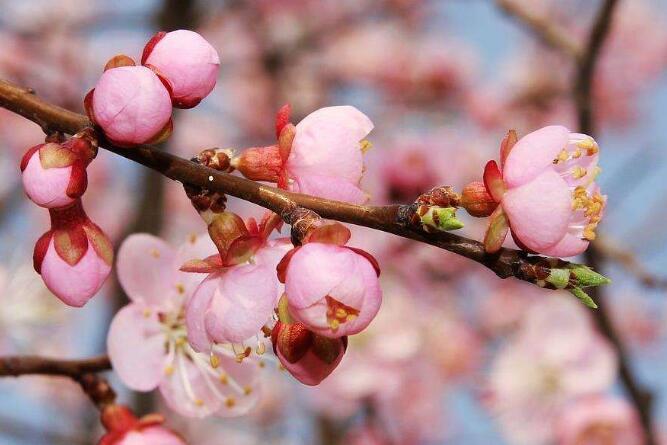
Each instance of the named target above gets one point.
<point>330,233</point>
<point>78,180</point>
<point>292,340</point>
<point>100,241</point>
<point>493,181</point>
<point>28,155</point>
<point>148,49</point>
<point>53,155</point>
<point>281,268</point>
<point>496,232</point>
<point>506,146</point>
<point>241,250</point>
<point>41,246</point>
<point>282,118</point>
<point>88,105</point>
<point>328,349</point>
<point>209,264</point>
<point>118,61</point>
<point>285,140</point>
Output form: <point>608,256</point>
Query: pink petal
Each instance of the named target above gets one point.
<point>534,153</point>
<point>243,303</point>
<point>539,211</point>
<point>331,188</point>
<point>327,144</point>
<point>569,246</point>
<point>135,344</point>
<point>146,268</point>
<point>314,270</point>
<point>154,435</point>
<point>186,391</point>
<point>195,313</point>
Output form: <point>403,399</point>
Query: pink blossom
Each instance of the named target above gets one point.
<point>74,257</point>
<point>131,105</point>
<point>597,420</point>
<point>155,435</point>
<point>326,159</point>
<point>148,339</point>
<point>555,358</point>
<point>187,61</point>
<point>321,156</point>
<point>333,290</point>
<point>309,357</point>
<point>547,192</point>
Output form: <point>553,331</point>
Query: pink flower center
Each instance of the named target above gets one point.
<point>179,353</point>
<point>338,313</point>
<point>577,165</point>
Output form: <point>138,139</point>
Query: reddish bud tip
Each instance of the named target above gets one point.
<point>118,61</point>
<point>260,163</point>
<point>477,201</point>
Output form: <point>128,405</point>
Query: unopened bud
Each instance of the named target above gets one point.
<point>260,163</point>
<point>477,201</point>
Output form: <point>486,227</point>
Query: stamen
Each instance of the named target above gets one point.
<point>186,382</point>
<point>578,172</point>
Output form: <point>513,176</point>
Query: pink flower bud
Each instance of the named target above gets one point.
<point>187,61</point>
<point>54,175</point>
<point>123,428</point>
<point>74,258</point>
<point>309,357</point>
<point>131,105</point>
<point>333,290</point>
<point>260,163</point>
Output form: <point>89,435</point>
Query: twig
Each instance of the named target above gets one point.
<point>82,371</point>
<point>641,398</point>
<point>544,29</point>
<point>392,219</point>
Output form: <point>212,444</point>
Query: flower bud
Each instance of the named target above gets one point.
<point>74,258</point>
<point>333,290</point>
<point>54,175</point>
<point>131,105</point>
<point>309,357</point>
<point>260,163</point>
<point>123,428</point>
<point>477,201</point>
<point>438,219</point>
<point>187,61</point>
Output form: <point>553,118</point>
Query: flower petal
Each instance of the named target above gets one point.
<point>533,153</point>
<point>330,187</point>
<point>242,304</point>
<point>539,211</point>
<point>136,347</point>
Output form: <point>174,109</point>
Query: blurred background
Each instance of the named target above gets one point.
<point>456,356</point>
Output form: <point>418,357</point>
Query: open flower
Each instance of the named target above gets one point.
<point>321,156</point>
<point>599,420</point>
<point>547,192</point>
<point>74,258</point>
<point>333,290</point>
<point>131,105</point>
<point>187,61</point>
<point>148,339</point>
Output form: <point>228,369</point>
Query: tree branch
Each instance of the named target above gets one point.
<point>544,29</point>
<point>14,366</point>
<point>641,398</point>
<point>391,219</point>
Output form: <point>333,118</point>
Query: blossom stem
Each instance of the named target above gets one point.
<point>81,371</point>
<point>392,218</point>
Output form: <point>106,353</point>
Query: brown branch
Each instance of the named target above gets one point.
<point>81,371</point>
<point>543,28</point>
<point>641,398</point>
<point>14,366</point>
<point>391,219</point>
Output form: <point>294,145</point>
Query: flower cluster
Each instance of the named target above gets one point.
<point>74,257</point>
<point>133,104</point>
